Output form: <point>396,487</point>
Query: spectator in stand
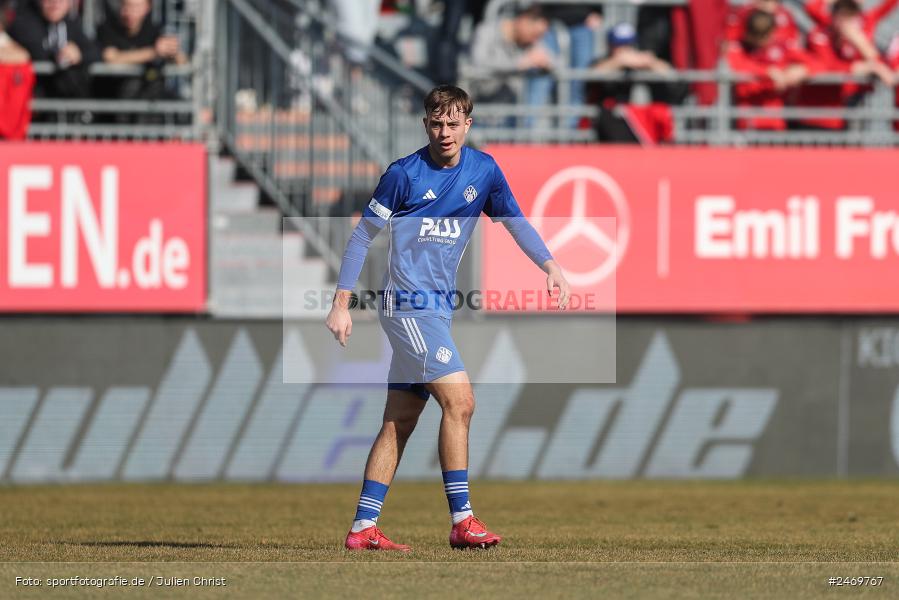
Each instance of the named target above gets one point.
<point>357,24</point>
<point>785,33</point>
<point>51,33</point>
<point>133,39</point>
<point>654,30</point>
<point>697,33</point>
<point>10,51</point>
<point>16,84</point>
<point>821,12</point>
<point>444,53</point>
<point>625,56</point>
<point>511,50</point>
<point>892,57</point>
<point>582,22</point>
<point>778,66</point>
<point>619,120</point>
<point>357,28</point>
<point>844,45</point>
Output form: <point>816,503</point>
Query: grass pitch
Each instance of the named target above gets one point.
<point>636,539</point>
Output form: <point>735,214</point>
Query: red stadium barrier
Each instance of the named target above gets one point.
<point>716,230</point>
<point>103,227</point>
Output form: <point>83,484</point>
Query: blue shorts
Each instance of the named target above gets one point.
<point>423,350</point>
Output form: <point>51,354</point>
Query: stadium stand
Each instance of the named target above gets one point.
<point>277,89</point>
<point>83,108</point>
<point>308,32</point>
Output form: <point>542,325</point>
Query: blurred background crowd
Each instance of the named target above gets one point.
<point>612,71</point>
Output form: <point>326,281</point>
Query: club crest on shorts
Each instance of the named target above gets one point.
<point>444,354</point>
<point>470,194</point>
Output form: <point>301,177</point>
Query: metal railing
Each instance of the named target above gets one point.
<point>107,119</point>
<point>869,123</point>
<point>496,7</point>
<point>178,117</point>
<point>314,130</point>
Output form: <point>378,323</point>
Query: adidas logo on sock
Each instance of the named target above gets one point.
<point>430,195</point>
<point>467,506</point>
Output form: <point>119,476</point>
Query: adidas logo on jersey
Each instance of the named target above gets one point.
<point>429,195</point>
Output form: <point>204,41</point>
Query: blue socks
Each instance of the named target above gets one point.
<point>370,501</point>
<point>455,484</point>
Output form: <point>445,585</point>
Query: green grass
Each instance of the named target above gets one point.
<point>614,539</point>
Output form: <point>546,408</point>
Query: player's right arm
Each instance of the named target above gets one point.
<point>388,197</point>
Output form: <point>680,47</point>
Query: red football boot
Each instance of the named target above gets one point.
<point>472,533</point>
<point>372,538</point>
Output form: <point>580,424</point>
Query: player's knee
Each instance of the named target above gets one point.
<point>460,408</point>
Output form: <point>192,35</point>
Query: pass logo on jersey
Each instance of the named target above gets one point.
<point>439,228</point>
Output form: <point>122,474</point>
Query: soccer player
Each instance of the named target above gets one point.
<point>430,202</point>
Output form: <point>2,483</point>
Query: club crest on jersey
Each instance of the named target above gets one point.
<point>439,228</point>
<point>444,354</point>
<point>470,194</point>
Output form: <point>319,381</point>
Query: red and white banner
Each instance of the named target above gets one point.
<point>715,230</point>
<point>103,227</point>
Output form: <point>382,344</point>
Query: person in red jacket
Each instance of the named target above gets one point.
<point>10,51</point>
<point>892,58</point>
<point>820,12</point>
<point>843,46</point>
<point>779,68</point>
<point>785,30</point>
<point>16,84</point>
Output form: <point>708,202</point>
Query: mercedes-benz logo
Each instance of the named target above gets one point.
<point>581,225</point>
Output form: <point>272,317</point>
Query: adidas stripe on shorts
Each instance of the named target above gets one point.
<point>423,350</point>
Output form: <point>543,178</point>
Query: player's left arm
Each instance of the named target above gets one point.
<point>533,246</point>
<point>556,279</point>
<point>502,206</point>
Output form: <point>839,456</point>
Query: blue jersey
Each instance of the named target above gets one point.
<point>430,214</point>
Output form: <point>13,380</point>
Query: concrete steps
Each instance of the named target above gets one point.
<point>298,150</point>
<point>250,258</point>
<point>226,194</point>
